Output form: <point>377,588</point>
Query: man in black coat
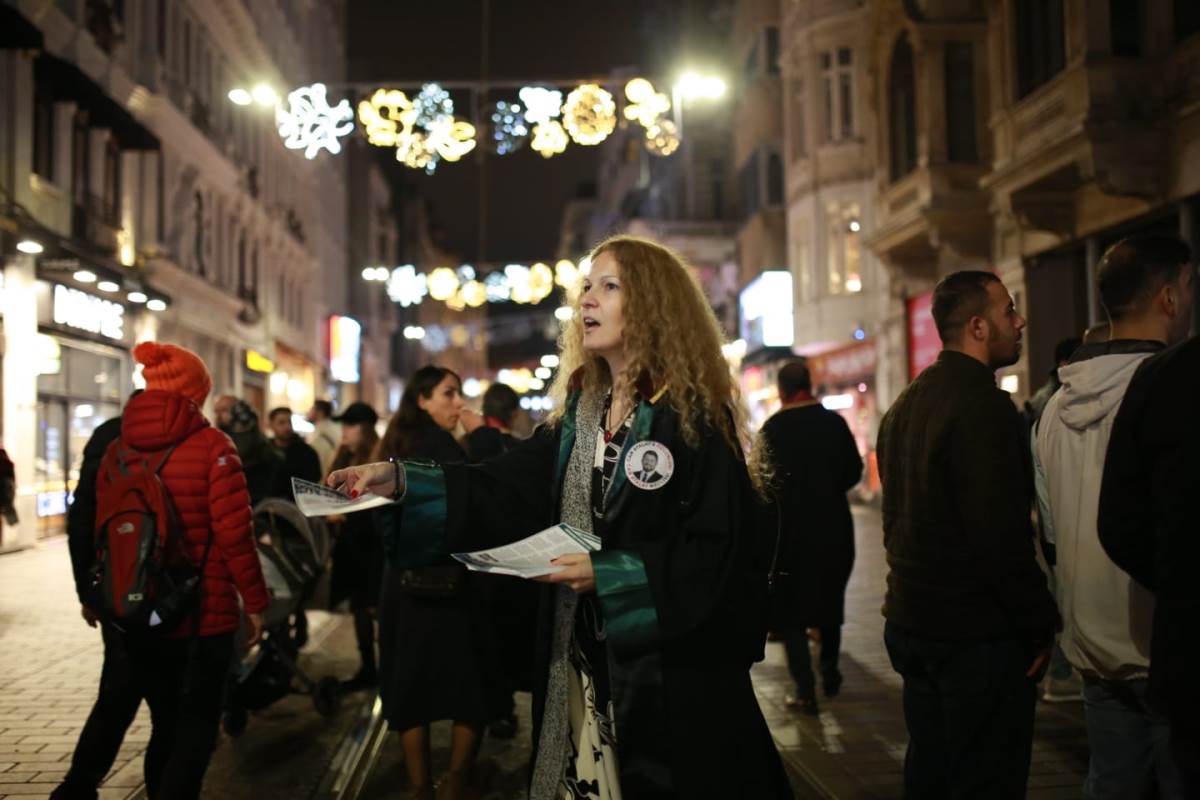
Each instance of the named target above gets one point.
<point>119,697</point>
<point>300,460</point>
<point>1147,525</point>
<point>814,462</point>
<point>970,619</point>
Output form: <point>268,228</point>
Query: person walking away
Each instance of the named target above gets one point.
<point>181,672</point>
<point>814,462</point>
<point>263,464</point>
<point>439,605</point>
<point>117,698</point>
<point>513,603</point>
<point>299,460</point>
<point>642,674</point>
<point>326,437</point>
<point>358,552</point>
<point>1147,525</point>
<point>970,619</point>
<point>1145,286</point>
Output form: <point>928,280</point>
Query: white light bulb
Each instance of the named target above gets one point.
<point>550,361</point>
<point>264,95</point>
<point>564,313</point>
<point>156,305</point>
<point>240,97</point>
<point>136,297</point>
<point>29,246</point>
<point>107,286</point>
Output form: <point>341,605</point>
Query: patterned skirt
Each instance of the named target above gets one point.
<point>591,772</point>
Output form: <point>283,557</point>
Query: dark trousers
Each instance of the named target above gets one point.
<point>799,659</point>
<point>100,741</point>
<point>969,711</point>
<point>183,682</point>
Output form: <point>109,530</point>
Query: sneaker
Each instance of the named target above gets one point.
<point>805,705</point>
<point>832,684</point>
<point>1063,690</point>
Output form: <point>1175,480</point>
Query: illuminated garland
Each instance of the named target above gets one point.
<point>461,288</point>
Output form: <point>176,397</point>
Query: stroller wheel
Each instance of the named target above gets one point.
<point>327,696</point>
<point>233,721</point>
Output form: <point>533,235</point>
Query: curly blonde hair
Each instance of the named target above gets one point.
<point>670,334</point>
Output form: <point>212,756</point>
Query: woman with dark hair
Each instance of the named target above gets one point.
<point>358,554</point>
<point>432,629</point>
<point>642,685</point>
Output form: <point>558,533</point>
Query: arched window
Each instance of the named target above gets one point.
<point>902,110</point>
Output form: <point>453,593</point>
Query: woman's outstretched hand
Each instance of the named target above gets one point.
<point>378,478</point>
<point>576,573</point>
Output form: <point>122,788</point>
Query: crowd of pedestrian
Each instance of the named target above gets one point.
<point>1057,539</point>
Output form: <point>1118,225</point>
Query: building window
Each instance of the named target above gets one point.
<point>111,199</point>
<point>43,134</point>
<point>161,29</point>
<point>772,49</point>
<point>1041,43</point>
<point>802,265</point>
<point>1187,19</point>
<point>198,233</point>
<point>81,160</point>
<point>837,86</point>
<point>902,111</point>
<point>774,180</point>
<point>1125,27</point>
<point>961,146</point>
<point>187,52</point>
<point>799,134</point>
<point>763,58</point>
<point>761,182</point>
<point>845,251</point>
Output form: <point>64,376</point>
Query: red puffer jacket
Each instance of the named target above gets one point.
<point>205,480</point>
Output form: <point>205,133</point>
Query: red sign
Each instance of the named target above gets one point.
<point>924,344</point>
<point>847,365</point>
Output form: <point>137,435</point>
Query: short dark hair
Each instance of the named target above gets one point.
<point>324,407</point>
<point>958,297</point>
<point>793,377</point>
<point>275,412</point>
<point>1066,348</point>
<point>1135,268</point>
<point>500,401</point>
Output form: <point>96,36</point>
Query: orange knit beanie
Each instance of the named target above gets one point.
<point>170,368</point>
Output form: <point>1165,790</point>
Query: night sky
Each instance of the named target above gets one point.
<point>404,42</point>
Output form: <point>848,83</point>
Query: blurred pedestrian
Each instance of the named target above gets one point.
<point>326,437</point>
<point>513,603</point>
<point>970,620</point>
<point>299,460</point>
<point>263,464</point>
<point>1147,525</point>
<point>118,697</point>
<point>358,553</point>
<point>433,625</point>
<point>8,488</point>
<point>645,646</point>
<point>1062,356</point>
<point>181,672</point>
<point>814,463</point>
<point>1145,285</point>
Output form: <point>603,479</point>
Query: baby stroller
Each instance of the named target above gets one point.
<point>293,551</point>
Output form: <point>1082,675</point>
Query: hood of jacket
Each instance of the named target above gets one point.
<point>1093,385</point>
<point>155,419</point>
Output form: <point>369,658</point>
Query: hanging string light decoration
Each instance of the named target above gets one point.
<point>496,286</point>
<point>509,128</point>
<point>662,138</point>
<point>431,103</point>
<point>542,106</point>
<point>443,283</point>
<point>450,138</point>
<point>549,138</point>
<point>310,124</point>
<point>406,286</point>
<point>589,114</point>
<point>474,293</point>
<point>541,281</point>
<point>645,105</point>
<point>387,117</point>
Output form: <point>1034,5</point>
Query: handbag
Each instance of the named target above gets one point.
<point>432,583</point>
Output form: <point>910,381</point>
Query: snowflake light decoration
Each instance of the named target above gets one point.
<point>509,128</point>
<point>450,138</point>
<point>589,114</point>
<point>432,103</point>
<point>541,105</point>
<point>645,105</point>
<point>496,286</point>
<point>310,124</point>
<point>549,138</point>
<point>662,138</point>
<point>406,286</point>
<point>388,117</point>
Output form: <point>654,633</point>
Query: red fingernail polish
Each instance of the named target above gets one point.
<point>354,492</point>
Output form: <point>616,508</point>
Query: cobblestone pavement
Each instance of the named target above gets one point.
<point>855,747</point>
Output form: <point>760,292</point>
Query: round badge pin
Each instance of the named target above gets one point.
<point>649,465</point>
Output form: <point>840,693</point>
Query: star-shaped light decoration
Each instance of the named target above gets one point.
<point>541,105</point>
<point>310,124</point>
<point>645,105</point>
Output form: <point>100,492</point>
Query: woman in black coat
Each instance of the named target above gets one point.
<point>814,462</point>
<point>642,686</point>
<point>433,632</point>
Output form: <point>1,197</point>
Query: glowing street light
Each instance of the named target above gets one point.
<point>265,96</point>
<point>29,247</point>
<point>240,96</point>
<point>694,86</point>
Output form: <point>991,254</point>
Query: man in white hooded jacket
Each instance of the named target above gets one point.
<point>1145,284</point>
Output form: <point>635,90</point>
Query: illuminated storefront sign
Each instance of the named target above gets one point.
<point>924,344</point>
<point>86,312</point>
<point>766,306</point>
<point>257,362</point>
<point>345,335</point>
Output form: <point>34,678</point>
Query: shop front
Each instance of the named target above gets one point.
<point>844,381</point>
<point>84,376</point>
<point>767,326</point>
<point>293,382</point>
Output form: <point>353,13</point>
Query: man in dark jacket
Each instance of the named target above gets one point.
<point>970,620</point>
<point>1147,525</point>
<point>814,463</point>
<point>299,459</point>
<point>118,697</point>
<point>262,463</point>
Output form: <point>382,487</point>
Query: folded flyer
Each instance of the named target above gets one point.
<point>315,500</point>
<point>531,557</point>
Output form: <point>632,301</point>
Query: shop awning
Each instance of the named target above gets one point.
<point>65,81</point>
<point>16,32</point>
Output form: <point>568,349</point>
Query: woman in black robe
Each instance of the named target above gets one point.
<point>433,632</point>
<point>642,687</point>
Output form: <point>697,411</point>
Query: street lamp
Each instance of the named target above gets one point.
<point>263,94</point>
<point>694,86</point>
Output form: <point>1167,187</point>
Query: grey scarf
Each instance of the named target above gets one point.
<point>550,764</point>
